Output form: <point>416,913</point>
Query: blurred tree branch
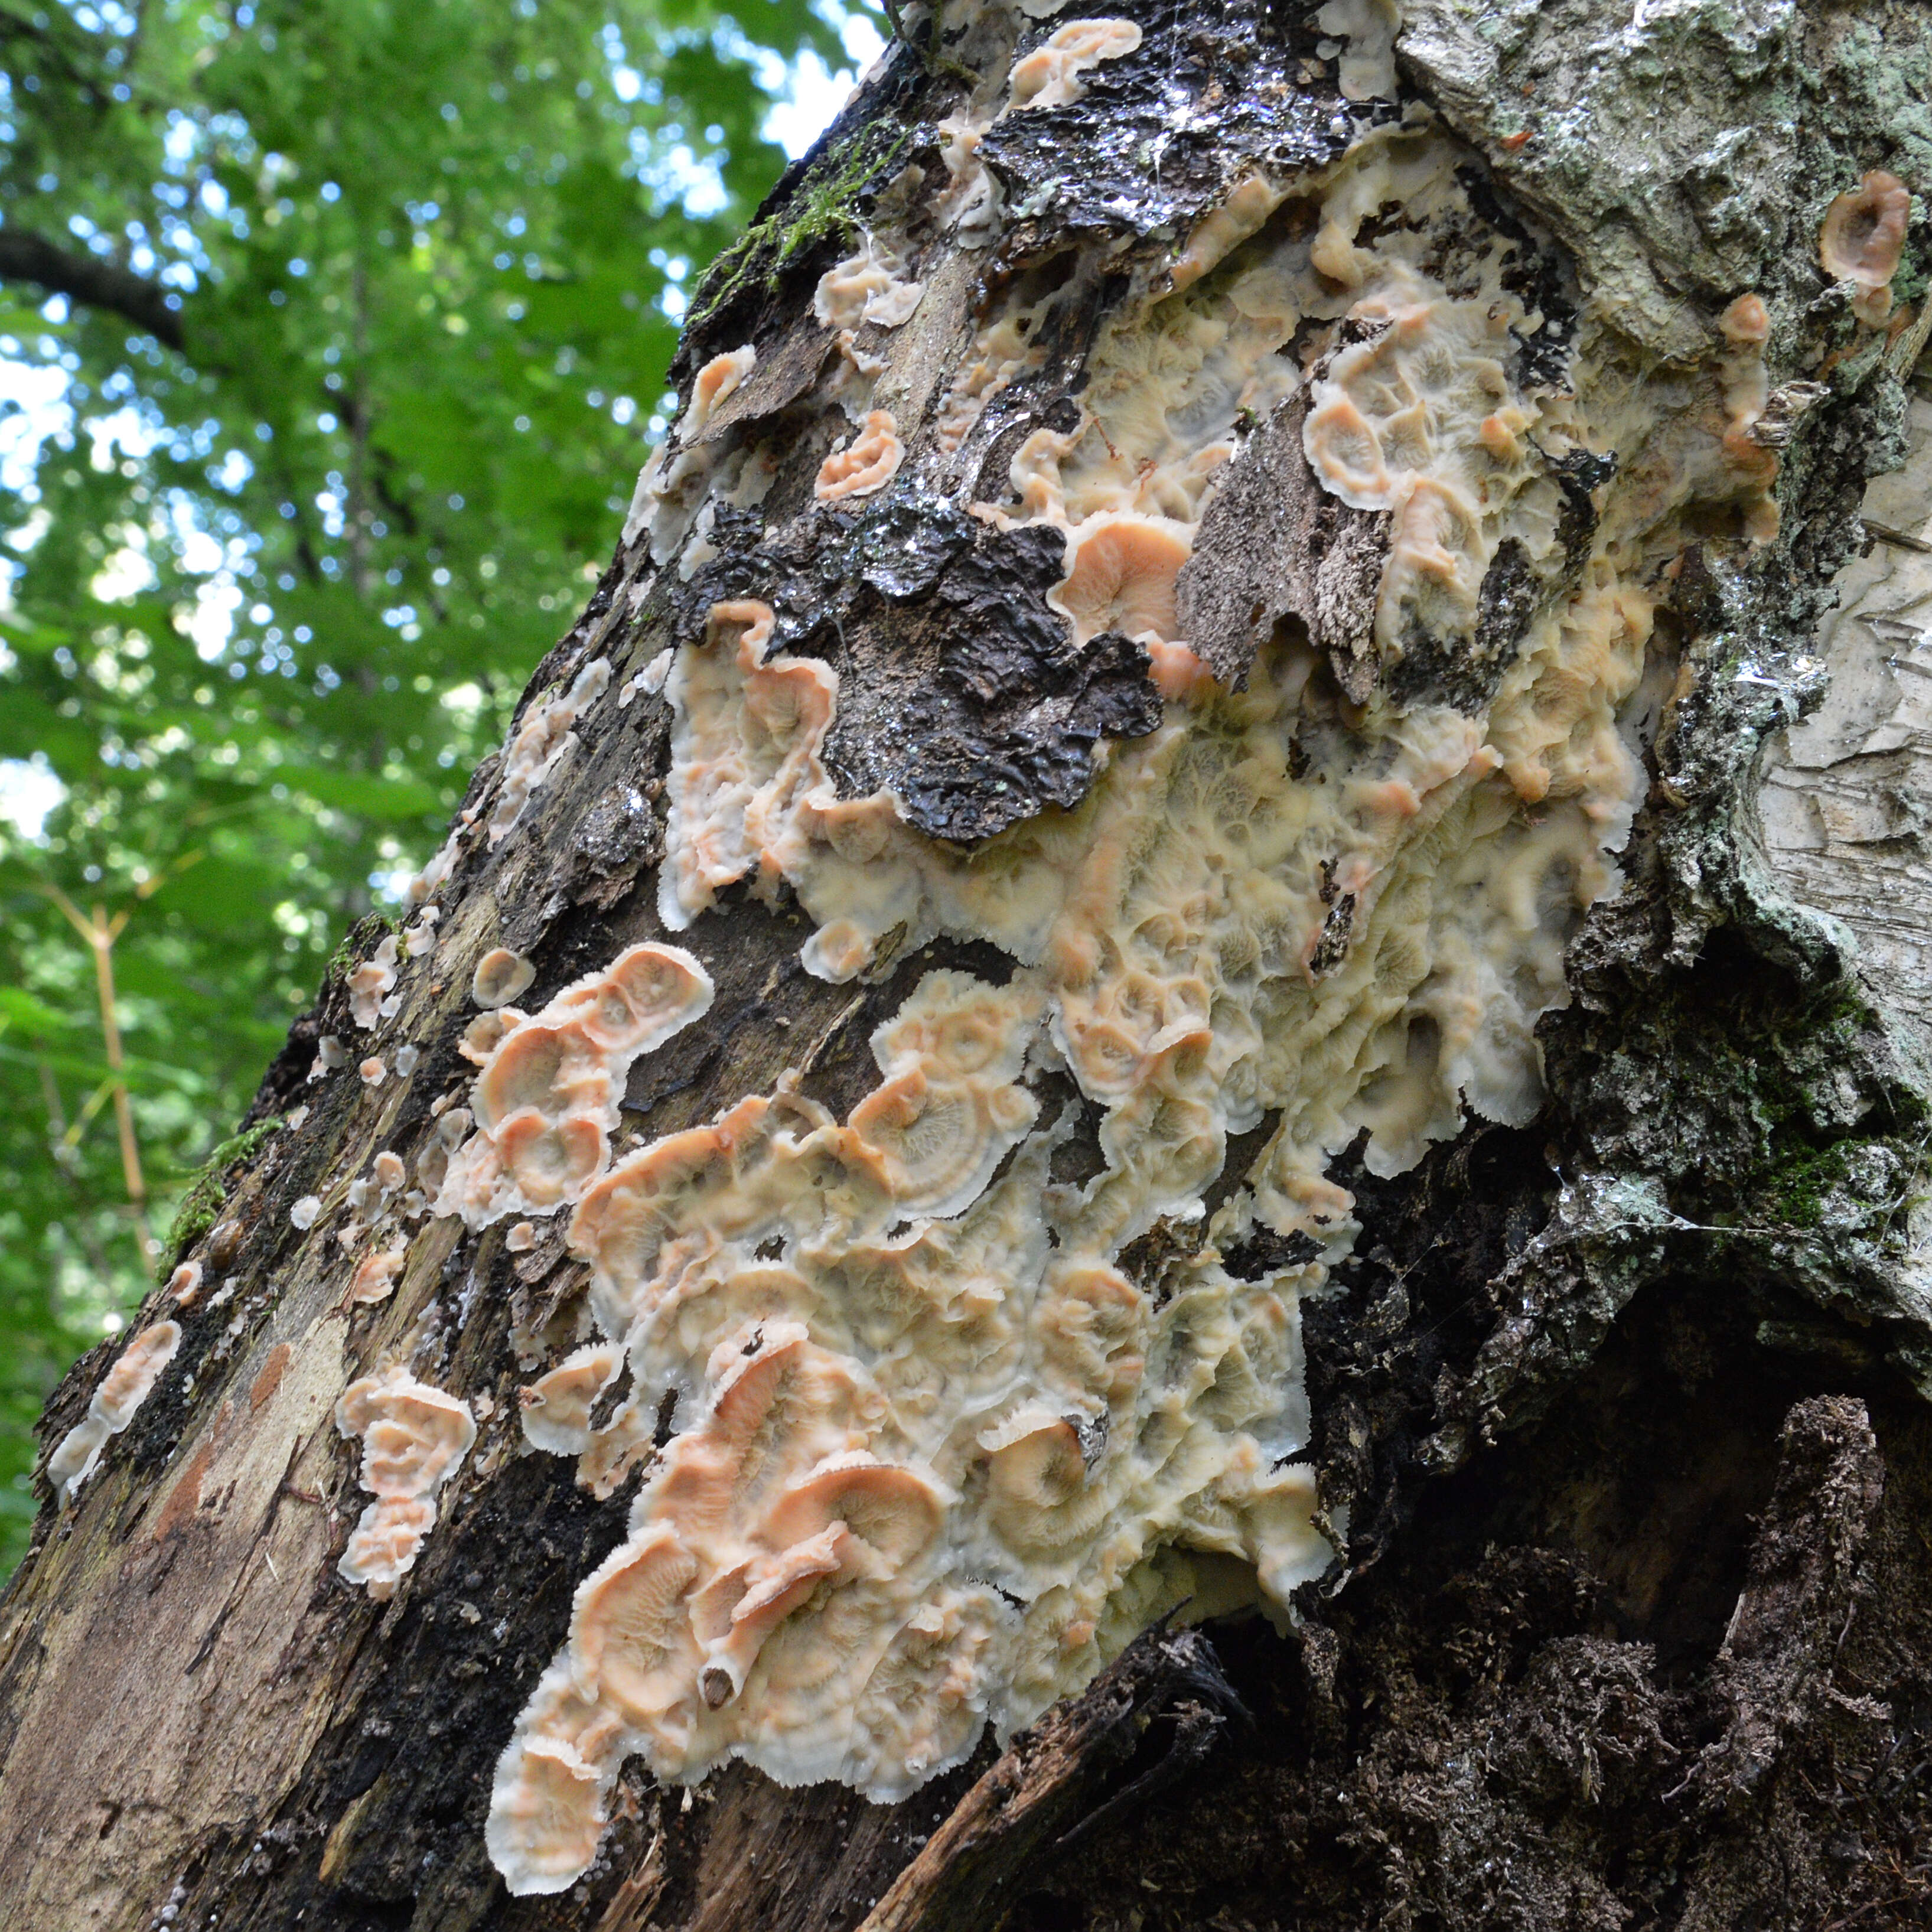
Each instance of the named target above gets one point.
<point>87,279</point>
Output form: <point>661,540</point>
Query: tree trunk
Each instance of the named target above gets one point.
<point>1158,1161</point>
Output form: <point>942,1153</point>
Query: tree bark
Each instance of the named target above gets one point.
<point>1429,470</point>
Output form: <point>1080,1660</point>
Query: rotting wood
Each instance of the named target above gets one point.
<point>1050,1785</point>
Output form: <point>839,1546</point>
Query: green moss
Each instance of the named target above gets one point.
<point>1796,1191</point>
<point>361,938</point>
<point>823,206</point>
<point>1856,1186</point>
<point>201,1205</point>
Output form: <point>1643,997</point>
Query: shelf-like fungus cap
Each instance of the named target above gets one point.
<point>499,977</point>
<point>1862,239</point>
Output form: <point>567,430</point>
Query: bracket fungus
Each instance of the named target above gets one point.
<point>1120,577</point>
<point>866,465</point>
<point>112,1406</point>
<point>369,983</point>
<point>375,1278</point>
<point>500,975</point>
<point>814,1574</point>
<point>716,382</point>
<point>865,287</point>
<point>414,1437</point>
<point>1862,239</point>
<point>546,1099</point>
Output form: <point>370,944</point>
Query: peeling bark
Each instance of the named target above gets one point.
<point>1615,1394</point>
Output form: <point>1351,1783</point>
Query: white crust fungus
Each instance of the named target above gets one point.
<point>972,204</point>
<point>866,465</point>
<point>546,1100</point>
<point>1000,353</point>
<point>413,1439</point>
<point>1862,238</point>
<point>500,975</point>
<point>1050,77</point>
<point>744,751</point>
<point>542,741</point>
<point>937,1446</point>
<point>184,1284</point>
<point>865,287</point>
<point>673,481</point>
<point>1369,27</point>
<point>122,1390</point>
<point>1221,231</point>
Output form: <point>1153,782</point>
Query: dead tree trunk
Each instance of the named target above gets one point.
<point>1156,1157</point>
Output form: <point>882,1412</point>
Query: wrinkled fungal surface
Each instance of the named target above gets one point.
<point>413,1438</point>
<point>1328,538</point>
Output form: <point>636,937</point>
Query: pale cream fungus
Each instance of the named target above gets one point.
<point>936,1451</point>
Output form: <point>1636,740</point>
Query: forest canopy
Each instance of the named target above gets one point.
<point>332,334</point>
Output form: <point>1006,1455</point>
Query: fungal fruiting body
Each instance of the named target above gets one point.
<point>674,481</point>
<point>866,465</point>
<point>1369,27</point>
<point>112,1406</point>
<point>547,1097</point>
<point>745,755</point>
<point>368,984</point>
<point>944,1457</point>
<point>543,740</point>
<point>413,1438</point>
<point>500,975</point>
<point>1862,240</point>
<point>1052,75</point>
<point>375,1278</point>
<point>928,1431</point>
<point>865,287</point>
